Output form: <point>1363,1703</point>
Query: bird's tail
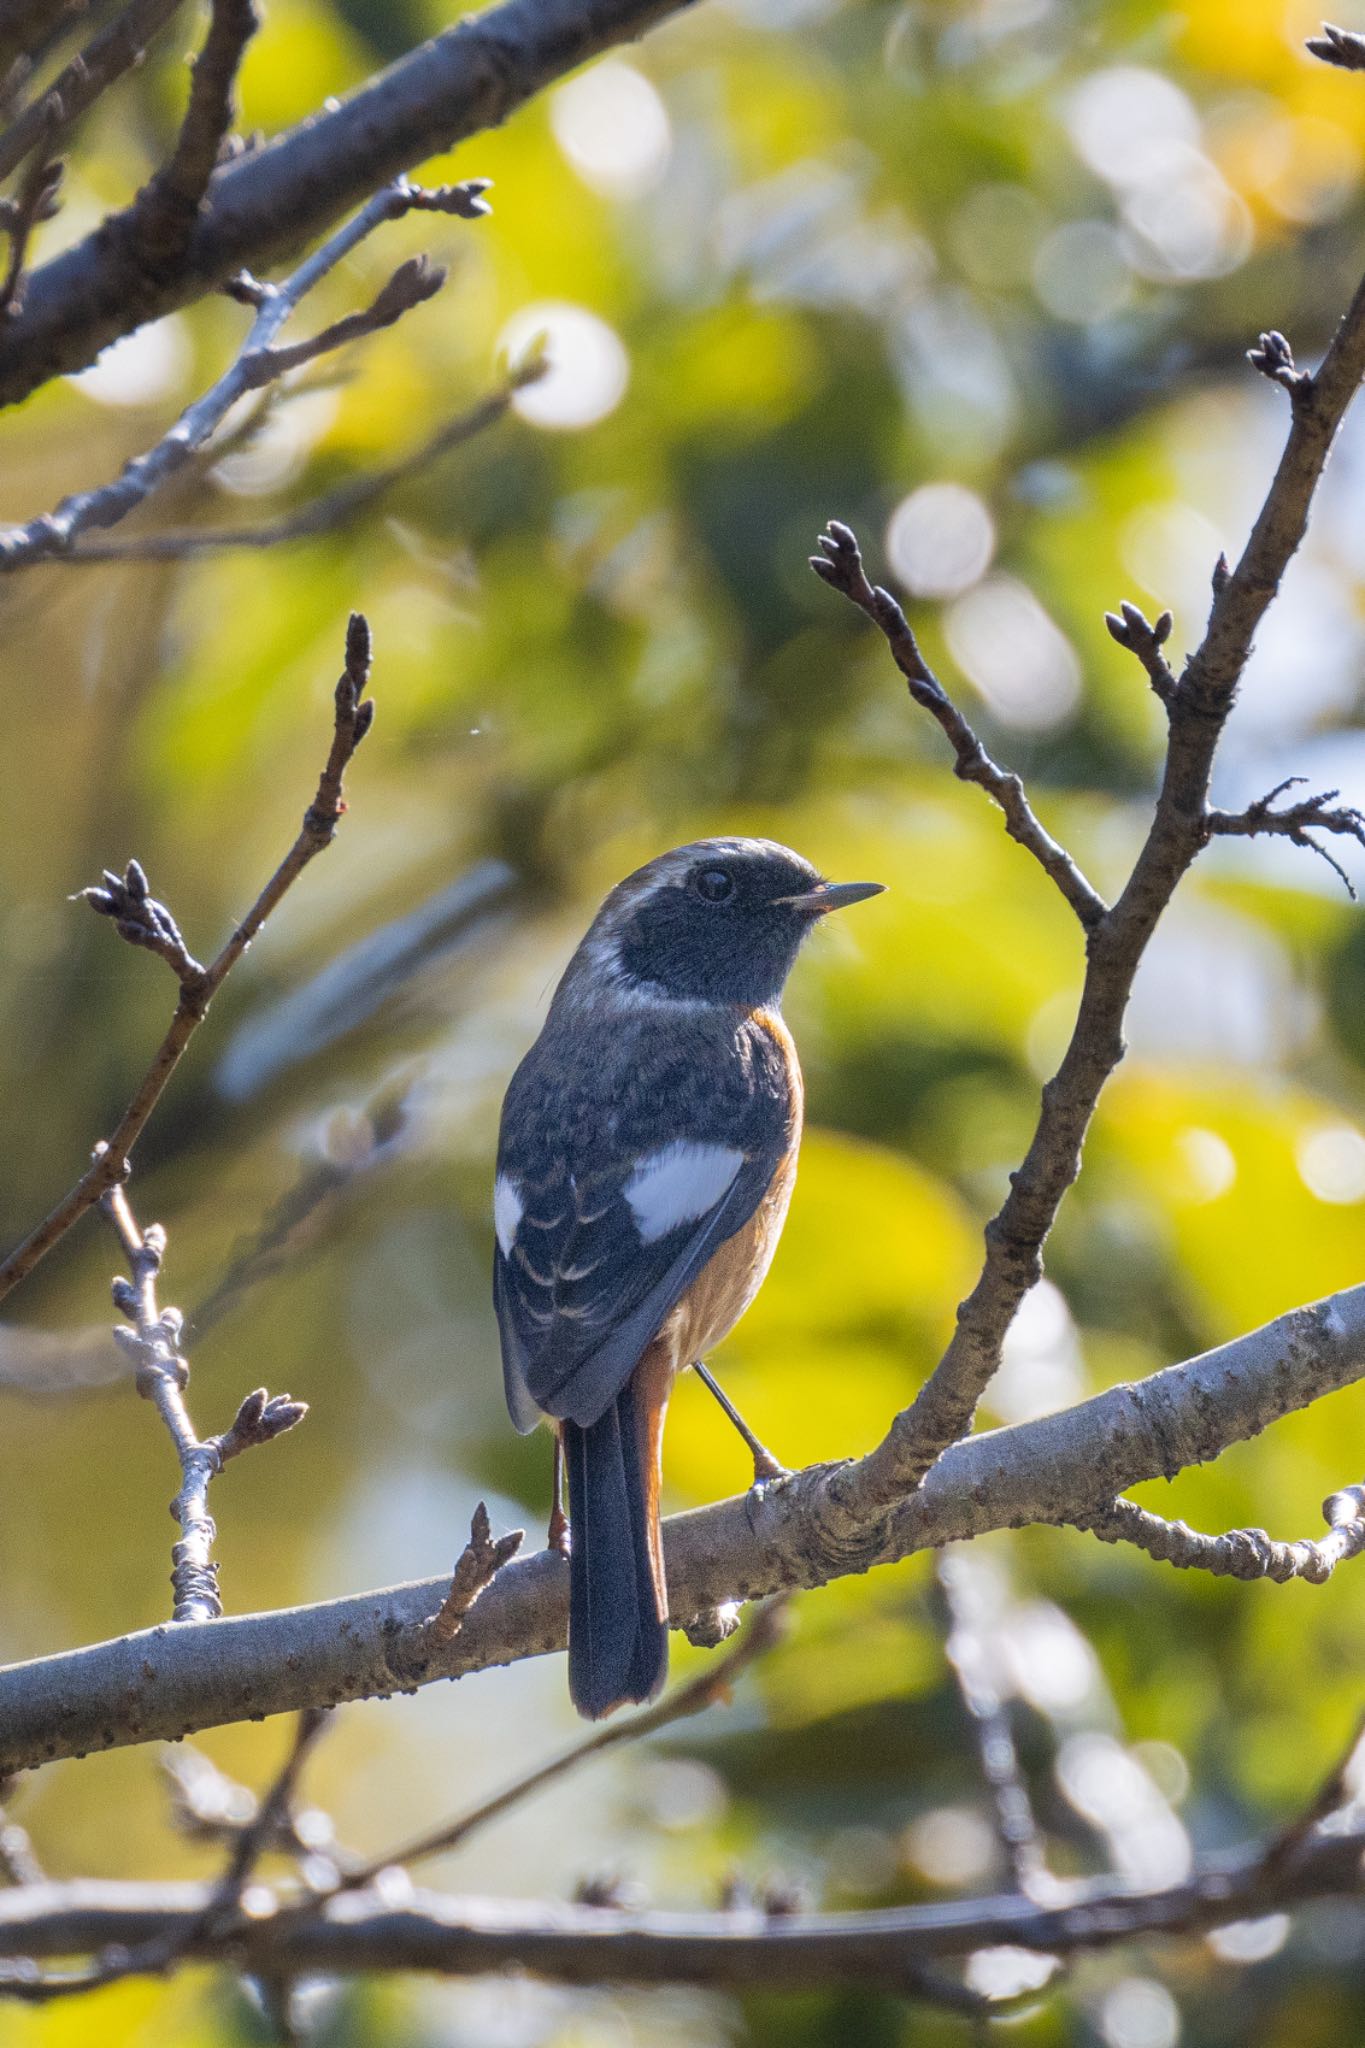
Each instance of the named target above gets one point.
<point>618,1634</point>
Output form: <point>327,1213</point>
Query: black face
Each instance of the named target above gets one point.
<point>721,931</point>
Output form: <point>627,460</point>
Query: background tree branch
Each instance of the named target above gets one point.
<point>353,718</point>
<point>267,204</point>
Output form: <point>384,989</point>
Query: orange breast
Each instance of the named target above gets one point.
<point>726,1285</point>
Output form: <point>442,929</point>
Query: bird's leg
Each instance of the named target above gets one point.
<point>557,1535</point>
<point>766,1466</point>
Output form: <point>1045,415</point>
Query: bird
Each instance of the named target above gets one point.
<point>646,1157</point>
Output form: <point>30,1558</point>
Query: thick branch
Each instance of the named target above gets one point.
<point>595,1945</point>
<point>354,715</point>
<point>166,1682</point>
<point>271,202</point>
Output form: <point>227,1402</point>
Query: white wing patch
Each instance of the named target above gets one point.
<point>679,1184</point>
<point>508,1210</point>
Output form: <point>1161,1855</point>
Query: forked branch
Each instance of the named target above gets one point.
<point>128,903</point>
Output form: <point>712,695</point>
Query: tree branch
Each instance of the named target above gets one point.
<point>595,1945</point>
<point>158,225</point>
<point>840,564</point>
<point>1296,822</point>
<point>1242,1553</point>
<point>120,44</point>
<point>966,1649</point>
<point>166,1682</point>
<point>353,717</point>
<point>1197,711</point>
<point>710,1686</point>
<point>163,1374</point>
<point>334,509</point>
<point>269,203</point>
<point>1144,638</point>
<point>258,363</point>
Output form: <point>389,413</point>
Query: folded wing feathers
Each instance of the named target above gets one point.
<point>679,1184</point>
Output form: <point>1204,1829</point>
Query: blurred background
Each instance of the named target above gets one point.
<point>977,279</point>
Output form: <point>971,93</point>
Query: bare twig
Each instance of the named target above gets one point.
<point>1296,822</point>
<point>476,1567</point>
<point>840,564</point>
<point>54,533</point>
<point>163,216</point>
<point>119,45</point>
<point>163,1374</point>
<point>267,204</point>
<point>1338,46</point>
<point>1117,936</point>
<point>797,1533</point>
<point>208,1806</point>
<point>325,514</point>
<point>1274,358</point>
<point>1145,639</point>
<point>18,1864</point>
<point>354,713</point>
<point>140,919</point>
<point>1335,1792</point>
<point>707,1689</point>
<point>270,1819</point>
<point>968,1653</point>
<point>36,202</point>
<point>1242,1553</point>
<point>290,1222</point>
<point>161,1951</point>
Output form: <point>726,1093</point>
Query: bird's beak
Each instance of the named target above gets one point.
<point>831,896</point>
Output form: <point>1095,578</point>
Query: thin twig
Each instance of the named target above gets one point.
<point>968,1653</point>
<point>1296,822</point>
<point>163,1373</point>
<point>1332,1795</point>
<point>36,202</point>
<point>1144,638</point>
<point>118,47</point>
<point>840,564</point>
<point>208,1806</point>
<point>476,1567</point>
<point>325,514</point>
<point>1241,1553</point>
<point>267,203</point>
<point>353,716</point>
<point>54,533</point>
<point>18,1863</point>
<point>710,1686</point>
<point>163,1950</point>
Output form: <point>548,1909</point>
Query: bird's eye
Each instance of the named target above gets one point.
<point>713,885</point>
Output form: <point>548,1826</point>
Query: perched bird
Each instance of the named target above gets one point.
<point>645,1163</point>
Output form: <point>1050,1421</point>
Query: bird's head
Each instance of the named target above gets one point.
<point>721,920</point>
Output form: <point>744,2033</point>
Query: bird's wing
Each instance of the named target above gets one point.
<point>588,1266</point>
